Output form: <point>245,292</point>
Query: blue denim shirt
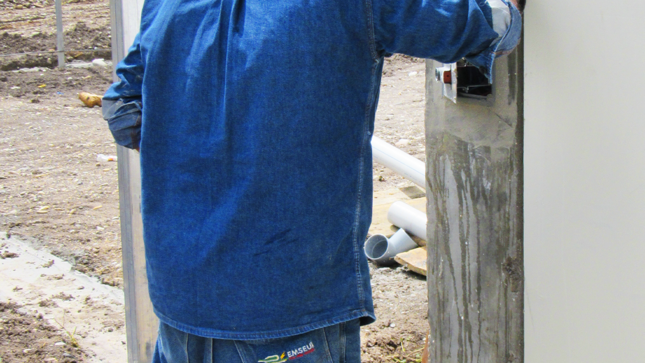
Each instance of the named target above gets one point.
<point>254,120</point>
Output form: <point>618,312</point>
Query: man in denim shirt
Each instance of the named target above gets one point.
<point>254,121</point>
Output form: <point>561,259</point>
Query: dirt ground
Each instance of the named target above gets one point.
<point>40,340</point>
<point>59,194</point>
<point>65,315</point>
<point>29,26</point>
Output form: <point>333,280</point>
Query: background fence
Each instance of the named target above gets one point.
<point>50,33</point>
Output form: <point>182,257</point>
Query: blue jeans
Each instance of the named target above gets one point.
<point>335,344</point>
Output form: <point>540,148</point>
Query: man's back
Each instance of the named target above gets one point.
<point>255,151</point>
<point>255,164</point>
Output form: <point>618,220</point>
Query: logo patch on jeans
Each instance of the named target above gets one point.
<point>301,351</point>
<point>290,355</point>
<point>273,359</point>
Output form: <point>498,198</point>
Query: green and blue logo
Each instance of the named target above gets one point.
<point>274,359</point>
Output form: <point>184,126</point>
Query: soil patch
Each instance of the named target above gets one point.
<point>25,337</point>
<point>401,305</point>
<point>52,188</point>
<point>28,33</point>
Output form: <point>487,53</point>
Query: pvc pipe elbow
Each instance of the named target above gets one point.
<point>382,250</point>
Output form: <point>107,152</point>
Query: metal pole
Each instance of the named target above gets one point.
<point>141,322</point>
<point>60,37</point>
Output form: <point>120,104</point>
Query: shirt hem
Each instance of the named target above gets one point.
<point>282,333</point>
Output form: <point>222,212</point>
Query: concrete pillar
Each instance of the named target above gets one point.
<point>475,246</point>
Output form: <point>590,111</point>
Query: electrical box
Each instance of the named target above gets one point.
<point>463,80</point>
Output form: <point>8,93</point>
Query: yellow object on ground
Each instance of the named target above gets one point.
<point>90,100</point>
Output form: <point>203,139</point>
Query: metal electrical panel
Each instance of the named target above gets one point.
<point>474,180</point>
<point>462,80</point>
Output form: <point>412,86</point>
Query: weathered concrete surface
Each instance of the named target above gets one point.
<point>87,309</point>
<point>475,258</point>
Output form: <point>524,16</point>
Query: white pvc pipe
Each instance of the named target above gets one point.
<point>399,161</point>
<point>408,218</point>
<point>382,250</point>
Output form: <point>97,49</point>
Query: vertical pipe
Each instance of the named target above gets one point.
<point>60,37</point>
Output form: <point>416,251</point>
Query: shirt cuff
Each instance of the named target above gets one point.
<point>124,119</point>
<point>507,21</point>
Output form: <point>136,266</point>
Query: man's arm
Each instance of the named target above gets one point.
<point>447,30</point>
<point>509,32</point>
<point>122,106</point>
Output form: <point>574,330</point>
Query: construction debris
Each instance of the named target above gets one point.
<point>90,100</point>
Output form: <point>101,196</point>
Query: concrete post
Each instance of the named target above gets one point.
<point>475,248</point>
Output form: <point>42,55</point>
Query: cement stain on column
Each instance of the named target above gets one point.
<point>475,274</point>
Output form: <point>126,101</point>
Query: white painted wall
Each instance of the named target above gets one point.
<point>584,181</point>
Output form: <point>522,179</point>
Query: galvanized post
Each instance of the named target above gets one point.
<point>60,37</point>
<point>141,322</point>
<point>475,222</point>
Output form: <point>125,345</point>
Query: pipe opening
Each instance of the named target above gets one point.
<point>376,246</point>
<point>382,250</point>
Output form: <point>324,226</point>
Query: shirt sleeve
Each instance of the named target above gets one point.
<point>446,30</point>
<point>122,103</point>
